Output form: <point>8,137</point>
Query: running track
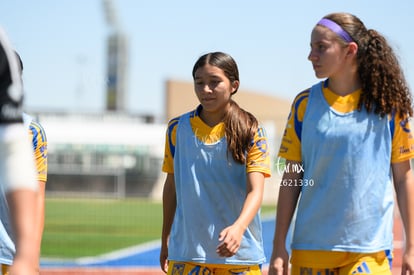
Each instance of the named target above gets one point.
<point>143,259</point>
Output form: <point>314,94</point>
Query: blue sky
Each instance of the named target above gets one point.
<point>62,44</point>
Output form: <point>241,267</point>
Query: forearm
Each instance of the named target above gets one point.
<point>405,198</point>
<point>169,205</point>
<point>40,214</point>
<point>287,200</point>
<point>253,201</point>
<point>22,211</point>
<point>404,189</point>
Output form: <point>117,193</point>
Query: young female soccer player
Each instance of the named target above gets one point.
<point>351,135</point>
<point>216,158</point>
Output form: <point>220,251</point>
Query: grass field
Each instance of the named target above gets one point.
<point>88,227</point>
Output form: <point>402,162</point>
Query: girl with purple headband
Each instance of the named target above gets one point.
<point>351,137</point>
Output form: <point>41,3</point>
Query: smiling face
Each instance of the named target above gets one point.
<point>327,53</point>
<point>213,89</point>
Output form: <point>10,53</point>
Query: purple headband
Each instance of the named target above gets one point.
<point>336,29</point>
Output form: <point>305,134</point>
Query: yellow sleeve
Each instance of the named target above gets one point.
<point>402,140</point>
<point>170,142</point>
<point>258,157</point>
<point>39,142</point>
<point>290,147</point>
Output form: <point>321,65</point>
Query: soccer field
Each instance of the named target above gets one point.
<point>88,227</point>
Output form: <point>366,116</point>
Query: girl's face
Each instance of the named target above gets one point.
<point>327,54</point>
<point>213,88</point>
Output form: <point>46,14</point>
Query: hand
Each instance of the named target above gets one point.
<point>408,263</point>
<point>230,239</point>
<point>163,259</point>
<point>279,263</point>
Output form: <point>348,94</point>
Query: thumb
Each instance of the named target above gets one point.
<point>222,234</point>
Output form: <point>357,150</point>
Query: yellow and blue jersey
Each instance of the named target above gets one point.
<point>210,189</point>
<point>258,158</point>
<point>402,138</point>
<point>322,123</point>
<point>38,140</point>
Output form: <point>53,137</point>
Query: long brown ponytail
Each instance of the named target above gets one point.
<point>240,125</point>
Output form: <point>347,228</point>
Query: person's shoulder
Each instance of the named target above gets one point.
<point>172,123</point>
<point>38,126</point>
<point>191,114</point>
<point>261,131</point>
<point>404,122</point>
<point>302,95</point>
<point>29,121</point>
<point>301,99</point>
